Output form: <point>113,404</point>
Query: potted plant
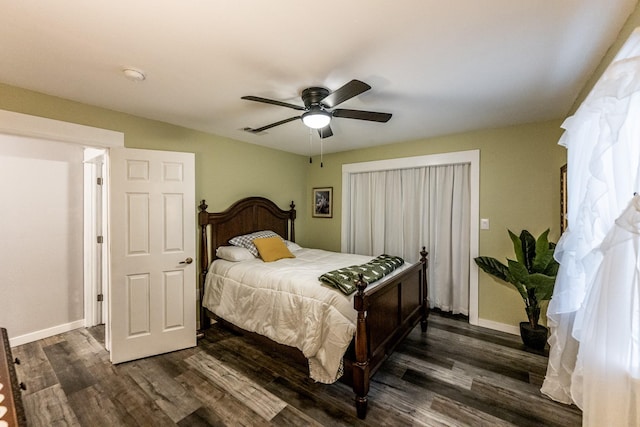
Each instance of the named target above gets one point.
<point>533,274</point>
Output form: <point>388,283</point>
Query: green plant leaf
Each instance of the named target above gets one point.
<point>542,285</point>
<point>543,256</point>
<point>528,249</point>
<point>517,246</point>
<point>553,266</point>
<point>517,271</point>
<point>518,276</point>
<point>492,266</point>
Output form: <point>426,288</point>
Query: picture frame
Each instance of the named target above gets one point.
<point>322,202</point>
<point>563,198</point>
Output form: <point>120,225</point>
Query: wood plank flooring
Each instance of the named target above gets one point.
<point>454,375</point>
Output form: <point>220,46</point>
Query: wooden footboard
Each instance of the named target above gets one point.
<point>386,315</point>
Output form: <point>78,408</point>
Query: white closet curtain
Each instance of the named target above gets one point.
<point>399,211</point>
<point>594,313</point>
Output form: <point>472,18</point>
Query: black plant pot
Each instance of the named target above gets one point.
<point>535,338</point>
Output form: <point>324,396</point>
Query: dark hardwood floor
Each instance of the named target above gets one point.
<point>454,375</point>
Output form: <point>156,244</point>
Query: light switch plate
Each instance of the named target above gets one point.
<point>484,223</point>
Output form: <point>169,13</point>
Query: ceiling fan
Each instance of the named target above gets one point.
<point>319,106</point>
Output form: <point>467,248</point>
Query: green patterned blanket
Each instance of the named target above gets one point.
<point>345,278</point>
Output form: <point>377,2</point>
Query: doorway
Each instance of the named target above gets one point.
<point>96,253</point>
<point>43,290</point>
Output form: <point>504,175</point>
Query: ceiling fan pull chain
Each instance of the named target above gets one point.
<point>310,145</point>
<point>321,150</point>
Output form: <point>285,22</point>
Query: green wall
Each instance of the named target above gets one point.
<point>519,188</point>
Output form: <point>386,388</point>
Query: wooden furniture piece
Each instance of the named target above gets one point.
<point>385,314</point>
<point>11,409</point>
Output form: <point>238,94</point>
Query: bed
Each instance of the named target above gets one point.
<point>382,313</point>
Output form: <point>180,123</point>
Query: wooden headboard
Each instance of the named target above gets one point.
<point>246,216</point>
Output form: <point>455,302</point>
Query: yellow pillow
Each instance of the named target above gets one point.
<point>272,248</point>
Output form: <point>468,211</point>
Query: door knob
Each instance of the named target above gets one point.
<point>187,261</point>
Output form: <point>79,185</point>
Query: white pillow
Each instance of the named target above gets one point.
<point>292,246</point>
<point>246,240</point>
<point>234,253</point>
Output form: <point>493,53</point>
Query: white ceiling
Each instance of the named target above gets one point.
<point>439,67</point>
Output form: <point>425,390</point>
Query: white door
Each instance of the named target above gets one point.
<point>153,278</point>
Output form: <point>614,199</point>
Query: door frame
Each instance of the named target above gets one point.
<point>96,255</point>
<point>92,228</point>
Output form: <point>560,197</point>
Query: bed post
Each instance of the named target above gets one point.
<point>205,322</point>
<point>424,290</point>
<point>361,366</point>
<point>292,217</point>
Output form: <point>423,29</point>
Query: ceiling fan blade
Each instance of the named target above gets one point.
<point>273,102</point>
<point>281,122</point>
<point>371,116</point>
<point>348,91</point>
<point>325,132</point>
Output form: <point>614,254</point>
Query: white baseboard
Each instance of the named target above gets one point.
<point>45,333</point>
<point>496,326</point>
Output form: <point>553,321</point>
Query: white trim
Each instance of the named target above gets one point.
<point>470,156</point>
<point>95,213</point>
<point>45,333</point>
<point>106,250</point>
<point>497,326</point>
<point>412,162</point>
<point>89,244</point>
<point>39,127</point>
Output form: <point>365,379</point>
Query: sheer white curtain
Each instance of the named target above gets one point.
<point>399,211</point>
<point>594,312</point>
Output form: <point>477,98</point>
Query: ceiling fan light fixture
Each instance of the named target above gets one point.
<point>316,119</point>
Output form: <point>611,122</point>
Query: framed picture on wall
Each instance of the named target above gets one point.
<point>322,202</point>
<point>563,198</point>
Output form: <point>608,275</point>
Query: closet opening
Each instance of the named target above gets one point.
<point>397,191</point>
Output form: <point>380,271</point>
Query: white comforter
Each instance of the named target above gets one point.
<point>285,301</point>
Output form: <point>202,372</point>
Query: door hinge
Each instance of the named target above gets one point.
<point>100,239</point>
<point>99,181</point>
<point>100,297</point>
